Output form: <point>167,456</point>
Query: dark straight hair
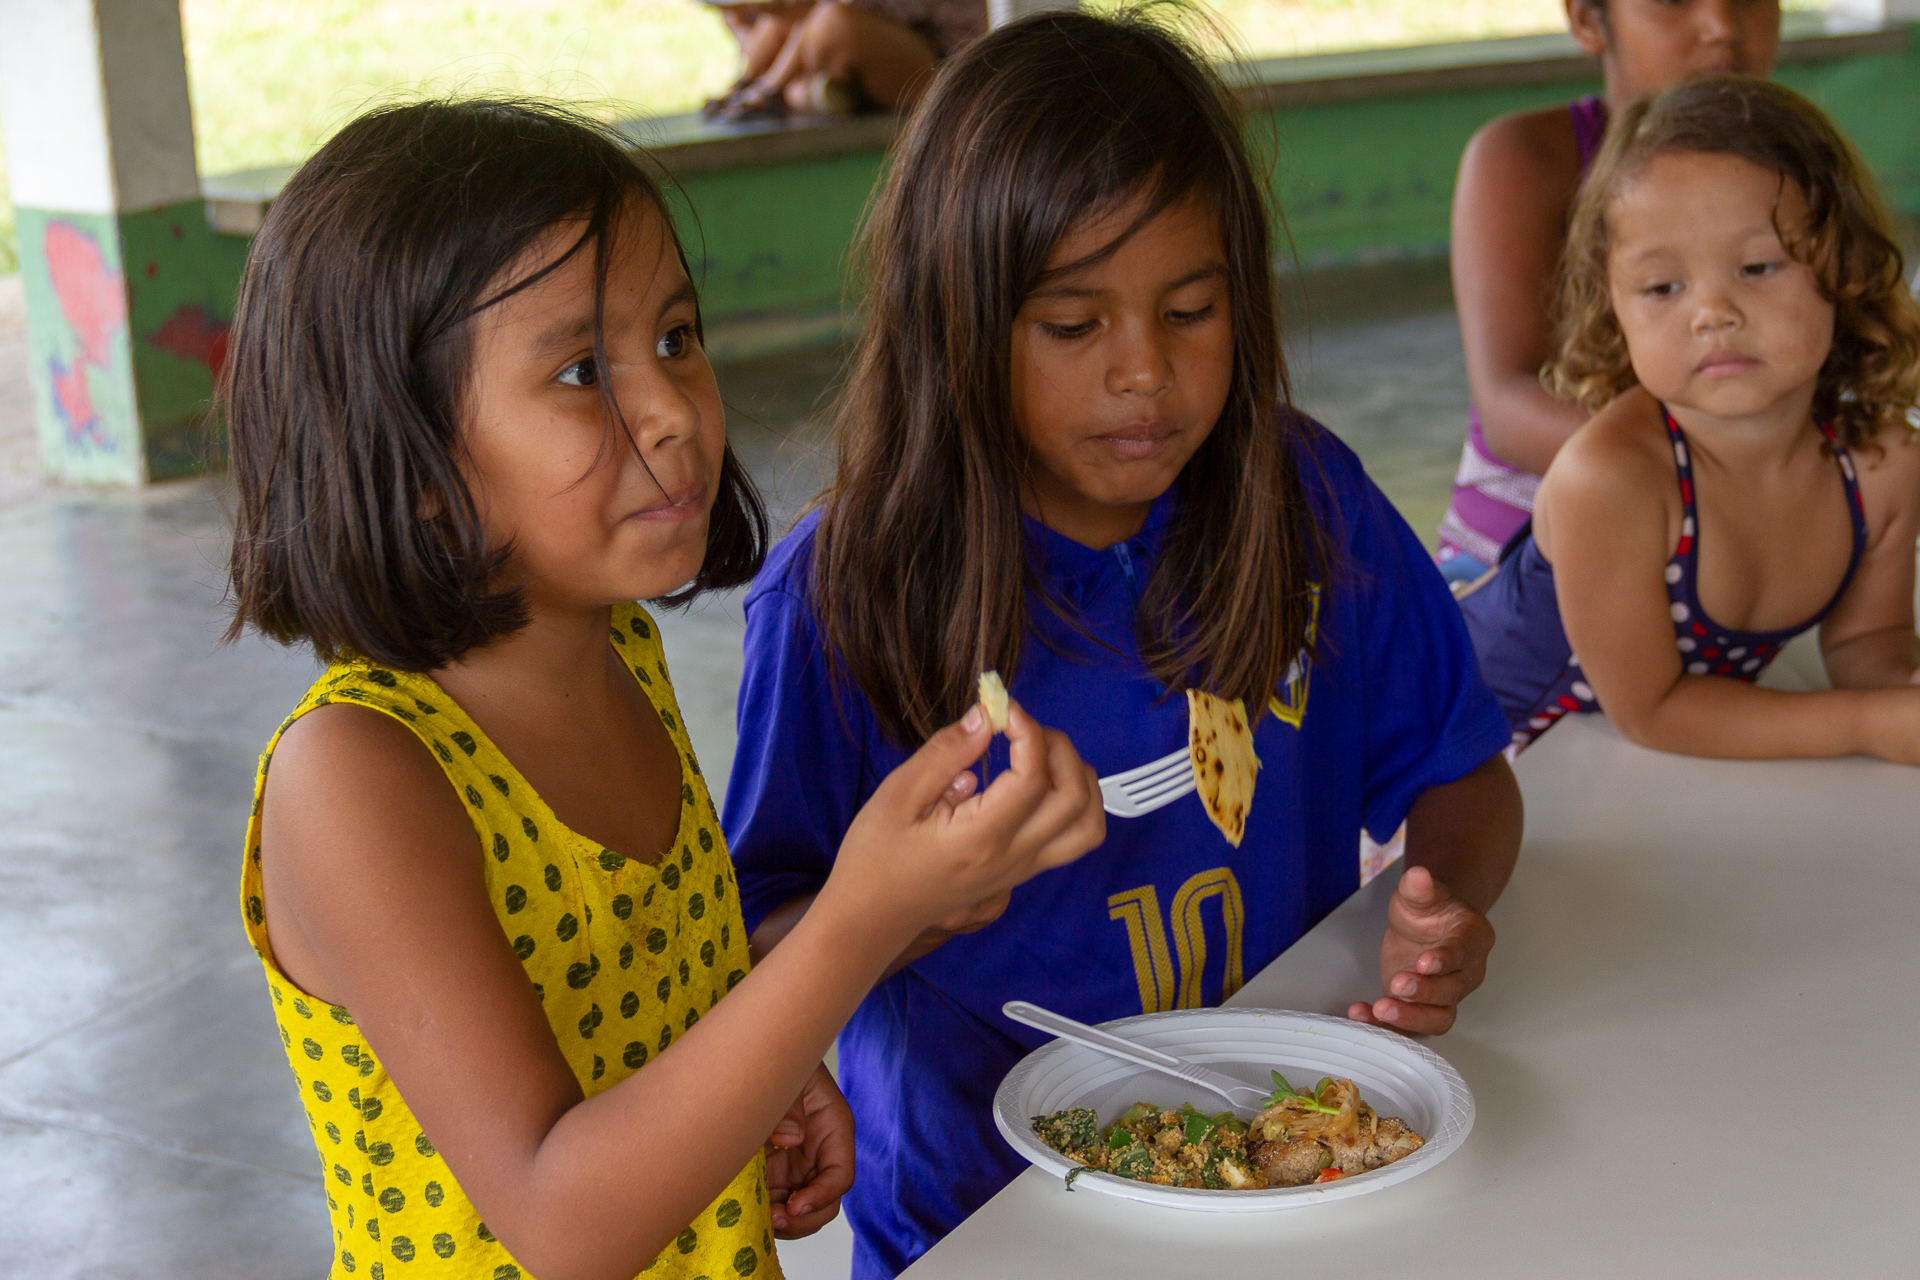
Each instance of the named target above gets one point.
<point>348,369</point>
<point>922,569</point>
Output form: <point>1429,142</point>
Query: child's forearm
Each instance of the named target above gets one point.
<point>779,922</point>
<point>1883,659</point>
<point>591,1199</point>
<point>1467,832</point>
<point>1726,719</point>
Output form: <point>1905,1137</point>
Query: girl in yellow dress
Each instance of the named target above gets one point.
<point>471,423</point>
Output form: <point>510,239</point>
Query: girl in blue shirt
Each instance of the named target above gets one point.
<point>1067,453</point>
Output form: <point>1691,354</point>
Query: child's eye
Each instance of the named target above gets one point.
<point>1191,317</point>
<point>580,373</point>
<point>1662,289</point>
<point>1755,270</point>
<point>1080,330</point>
<point>674,343</point>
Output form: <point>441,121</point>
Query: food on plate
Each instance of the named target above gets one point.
<point>993,700</point>
<point>1300,1138</point>
<point>1183,1148</point>
<point>1325,1134</point>
<point>1220,741</point>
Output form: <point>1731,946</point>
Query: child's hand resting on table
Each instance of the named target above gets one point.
<point>1433,956</point>
<point>1435,950</point>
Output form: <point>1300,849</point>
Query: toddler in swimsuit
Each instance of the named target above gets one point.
<point>1518,179</point>
<point>1731,302</point>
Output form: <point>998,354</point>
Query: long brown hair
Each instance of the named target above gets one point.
<point>922,573</point>
<point>1871,377</point>
<point>351,349</point>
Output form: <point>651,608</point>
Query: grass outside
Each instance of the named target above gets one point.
<point>272,78</point>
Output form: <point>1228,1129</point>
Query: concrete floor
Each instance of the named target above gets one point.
<point>148,1123</point>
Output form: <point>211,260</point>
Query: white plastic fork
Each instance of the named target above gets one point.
<point>1239,1094</point>
<point>1149,787</point>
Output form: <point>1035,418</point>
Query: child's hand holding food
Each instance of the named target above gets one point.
<point>927,851</point>
<point>1433,956</point>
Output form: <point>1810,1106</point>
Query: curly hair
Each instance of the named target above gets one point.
<point>1871,377</point>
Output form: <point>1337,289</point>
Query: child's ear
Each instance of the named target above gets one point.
<point>1587,22</point>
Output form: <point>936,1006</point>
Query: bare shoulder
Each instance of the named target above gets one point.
<point>1891,463</point>
<point>341,750</point>
<point>1535,148</point>
<point>1617,469</point>
<point>357,825</point>
<point>347,785</point>
<point>1618,451</point>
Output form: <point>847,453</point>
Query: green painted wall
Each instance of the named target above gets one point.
<point>181,280</point>
<point>129,314</point>
<point>127,328</point>
<point>1356,181</point>
<point>774,238</point>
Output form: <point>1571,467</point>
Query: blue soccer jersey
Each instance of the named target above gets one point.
<point>1165,914</point>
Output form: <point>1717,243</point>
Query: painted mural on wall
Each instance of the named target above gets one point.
<point>127,320</point>
<point>92,299</point>
<point>79,355</point>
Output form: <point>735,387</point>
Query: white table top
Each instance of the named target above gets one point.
<point>1694,1054</point>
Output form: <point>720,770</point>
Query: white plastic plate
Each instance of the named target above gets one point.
<point>1397,1077</point>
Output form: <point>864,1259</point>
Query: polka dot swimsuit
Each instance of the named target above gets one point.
<point>624,957</point>
<point>1514,618</point>
<point>1706,647</point>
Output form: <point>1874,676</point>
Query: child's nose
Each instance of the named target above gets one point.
<point>1716,313</point>
<point>1141,365</point>
<point>657,408</point>
<point>1715,20</point>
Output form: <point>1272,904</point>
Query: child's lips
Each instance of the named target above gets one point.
<point>1138,439</point>
<point>1724,364</point>
<point>671,508</point>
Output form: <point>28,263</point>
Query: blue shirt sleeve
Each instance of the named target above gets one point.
<point>799,771</point>
<point>1431,717</point>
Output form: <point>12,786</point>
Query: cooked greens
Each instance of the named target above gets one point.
<point>1300,1137</point>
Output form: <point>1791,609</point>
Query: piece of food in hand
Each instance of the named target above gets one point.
<point>993,700</point>
<point>1220,741</point>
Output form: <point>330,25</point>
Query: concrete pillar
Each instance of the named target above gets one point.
<point>128,293</point>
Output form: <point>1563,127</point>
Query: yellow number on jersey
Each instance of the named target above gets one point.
<point>1161,986</point>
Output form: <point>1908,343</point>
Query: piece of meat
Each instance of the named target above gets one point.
<point>1392,1140</point>
<point>1288,1164</point>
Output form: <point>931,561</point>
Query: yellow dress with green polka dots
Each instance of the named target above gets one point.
<point>625,956</point>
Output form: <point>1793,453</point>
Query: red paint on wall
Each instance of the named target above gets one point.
<point>92,296</point>
<point>193,333</point>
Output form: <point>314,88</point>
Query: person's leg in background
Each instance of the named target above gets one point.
<point>886,61</point>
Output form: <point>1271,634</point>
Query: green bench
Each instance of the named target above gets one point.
<point>1365,145</point>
